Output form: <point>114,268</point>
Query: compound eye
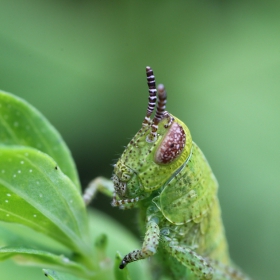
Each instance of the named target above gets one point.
<point>172,145</point>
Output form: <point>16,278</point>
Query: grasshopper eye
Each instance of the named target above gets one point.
<point>172,145</point>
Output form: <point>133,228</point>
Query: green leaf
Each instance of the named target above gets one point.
<point>100,246</point>
<point>116,238</point>
<point>120,274</point>
<point>119,239</point>
<point>54,275</point>
<point>39,258</point>
<point>17,235</point>
<point>21,124</point>
<point>36,193</point>
<point>11,270</point>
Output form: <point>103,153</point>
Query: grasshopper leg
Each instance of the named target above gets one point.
<point>194,262</point>
<point>99,184</point>
<point>149,247</point>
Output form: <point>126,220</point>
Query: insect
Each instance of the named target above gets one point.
<point>164,173</point>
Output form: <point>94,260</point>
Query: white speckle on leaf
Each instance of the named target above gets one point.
<point>37,182</point>
<point>16,124</point>
<point>7,215</point>
<point>15,175</point>
<point>22,162</point>
<point>5,116</point>
<point>71,201</point>
<point>3,171</point>
<point>6,200</point>
<point>26,154</point>
<point>65,260</point>
<point>19,171</point>
<point>8,194</point>
<point>27,127</point>
<point>40,195</point>
<point>34,215</point>
<point>30,170</point>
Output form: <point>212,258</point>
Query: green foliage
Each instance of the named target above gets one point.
<point>31,180</point>
<point>23,125</point>
<point>120,274</point>
<point>54,275</point>
<point>44,222</point>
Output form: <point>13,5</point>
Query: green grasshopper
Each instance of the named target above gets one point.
<point>164,173</point>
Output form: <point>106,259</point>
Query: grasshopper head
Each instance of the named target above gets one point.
<point>155,153</point>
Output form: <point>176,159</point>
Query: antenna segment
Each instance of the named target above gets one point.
<point>152,95</point>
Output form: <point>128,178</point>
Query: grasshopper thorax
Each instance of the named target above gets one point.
<point>155,153</point>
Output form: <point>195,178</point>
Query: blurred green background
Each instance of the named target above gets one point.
<point>82,64</point>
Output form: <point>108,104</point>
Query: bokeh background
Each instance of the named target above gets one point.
<point>82,64</point>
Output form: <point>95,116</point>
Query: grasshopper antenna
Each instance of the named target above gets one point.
<point>162,99</point>
<point>152,95</point>
<point>160,112</point>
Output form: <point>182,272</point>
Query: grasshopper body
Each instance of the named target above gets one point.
<point>164,173</point>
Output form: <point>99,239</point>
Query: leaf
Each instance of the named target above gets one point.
<point>118,239</point>
<point>34,192</point>
<point>120,274</point>
<point>21,124</point>
<point>54,275</point>
<point>100,245</point>
<point>17,235</point>
<point>42,258</point>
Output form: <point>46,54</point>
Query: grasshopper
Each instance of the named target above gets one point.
<point>165,174</point>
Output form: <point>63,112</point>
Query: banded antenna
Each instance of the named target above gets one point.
<point>162,98</point>
<point>160,113</point>
<point>152,95</point>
